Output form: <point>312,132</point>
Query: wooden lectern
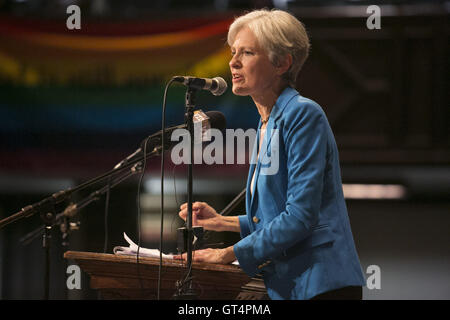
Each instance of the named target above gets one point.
<point>117,277</point>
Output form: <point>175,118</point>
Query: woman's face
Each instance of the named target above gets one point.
<point>252,72</point>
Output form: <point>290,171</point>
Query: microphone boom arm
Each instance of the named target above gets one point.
<point>72,209</point>
<point>62,195</point>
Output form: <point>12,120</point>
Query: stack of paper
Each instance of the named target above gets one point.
<point>143,252</point>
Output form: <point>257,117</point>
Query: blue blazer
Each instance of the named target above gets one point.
<point>296,232</point>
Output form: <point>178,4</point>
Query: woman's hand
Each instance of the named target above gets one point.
<point>222,256</point>
<point>203,215</point>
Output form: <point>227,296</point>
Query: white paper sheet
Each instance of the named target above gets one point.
<point>143,252</point>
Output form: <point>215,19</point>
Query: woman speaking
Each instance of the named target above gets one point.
<point>296,232</point>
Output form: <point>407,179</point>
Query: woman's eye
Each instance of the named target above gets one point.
<point>248,52</point>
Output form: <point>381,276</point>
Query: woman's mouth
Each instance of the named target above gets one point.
<point>237,78</point>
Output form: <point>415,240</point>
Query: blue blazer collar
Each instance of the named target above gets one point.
<point>282,101</point>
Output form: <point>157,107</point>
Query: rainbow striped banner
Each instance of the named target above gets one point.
<point>41,52</point>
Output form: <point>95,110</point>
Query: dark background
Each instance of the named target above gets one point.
<point>385,93</point>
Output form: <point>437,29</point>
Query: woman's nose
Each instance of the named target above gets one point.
<point>234,62</point>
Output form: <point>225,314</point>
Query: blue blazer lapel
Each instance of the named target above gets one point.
<point>253,163</point>
<point>276,113</point>
<point>262,153</point>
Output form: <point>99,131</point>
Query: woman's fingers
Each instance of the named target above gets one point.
<point>195,216</point>
<point>196,205</point>
<point>179,257</point>
<point>202,214</point>
<point>204,255</point>
<point>196,208</point>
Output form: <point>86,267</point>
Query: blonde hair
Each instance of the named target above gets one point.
<point>279,33</point>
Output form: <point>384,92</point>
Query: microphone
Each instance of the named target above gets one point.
<point>210,119</point>
<point>217,86</point>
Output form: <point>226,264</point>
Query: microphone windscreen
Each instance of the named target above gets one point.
<point>221,86</point>
<point>217,120</point>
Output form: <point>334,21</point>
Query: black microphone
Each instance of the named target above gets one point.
<point>216,121</point>
<point>217,86</point>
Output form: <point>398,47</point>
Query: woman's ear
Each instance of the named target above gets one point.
<point>284,64</point>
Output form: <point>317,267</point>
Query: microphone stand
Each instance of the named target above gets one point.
<point>72,209</point>
<point>60,196</point>
<point>185,290</point>
<point>47,211</point>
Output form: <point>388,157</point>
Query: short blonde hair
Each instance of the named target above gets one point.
<point>279,33</point>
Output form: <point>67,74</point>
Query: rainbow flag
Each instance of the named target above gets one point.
<point>41,52</point>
